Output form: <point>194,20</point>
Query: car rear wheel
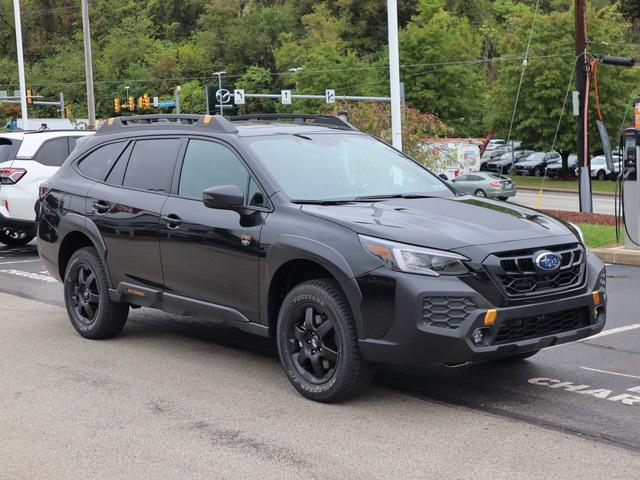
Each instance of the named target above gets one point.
<point>503,199</point>
<point>86,295</point>
<point>602,175</point>
<point>318,344</point>
<point>480,193</point>
<point>14,237</point>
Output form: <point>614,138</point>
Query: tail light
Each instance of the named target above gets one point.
<point>495,184</point>
<point>9,176</point>
<point>456,173</point>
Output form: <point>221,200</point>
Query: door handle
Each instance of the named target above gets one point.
<point>101,207</point>
<point>172,220</point>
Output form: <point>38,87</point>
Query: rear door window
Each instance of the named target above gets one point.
<point>53,152</point>
<point>8,149</point>
<point>151,164</point>
<point>98,163</point>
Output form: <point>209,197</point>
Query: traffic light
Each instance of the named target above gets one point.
<point>116,105</point>
<point>68,113</point>
<point>140,103</point>
<point>132,104</point>
<point>29,95</point>
<point>146,101</point>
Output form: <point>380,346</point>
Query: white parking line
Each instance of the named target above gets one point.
<point>612,331</point>
<point>611,373</point>
<point>21,261</point>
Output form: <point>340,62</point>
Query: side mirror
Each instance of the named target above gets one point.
<point>223,197</point>
<point>444,177</point>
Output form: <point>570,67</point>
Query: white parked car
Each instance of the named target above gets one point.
<point>26,160</point>
<point>600,169</point>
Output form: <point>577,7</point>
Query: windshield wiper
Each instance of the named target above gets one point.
<point>325,202</point>
<point>374,198</point>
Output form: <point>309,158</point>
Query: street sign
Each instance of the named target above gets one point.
<point>286,97</point>
<point>223,96</point>
<point>238,97</point>
<point>330,96</point>
<point>167,103</point>
<point>156,102</point>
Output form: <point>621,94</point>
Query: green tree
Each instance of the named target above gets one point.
<point>446,86</point>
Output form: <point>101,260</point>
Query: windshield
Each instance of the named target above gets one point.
<point>343,166</point>
<point>8,149</point>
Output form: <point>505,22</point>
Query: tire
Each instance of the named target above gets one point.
<point>503,199</point>
<point>517,358</point>
<point>602,175</point>
<point>14,237</point>
<point>86,296</point>
<point>480,193</point>
<point>332,368</point>
<point>537,172</point>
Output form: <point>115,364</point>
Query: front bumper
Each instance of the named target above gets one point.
<point>412,339</point>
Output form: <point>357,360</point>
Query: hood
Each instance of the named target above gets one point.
<point>442,223</point>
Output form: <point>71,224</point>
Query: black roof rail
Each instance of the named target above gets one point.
<point>213,122</point>
<point>316,119</point>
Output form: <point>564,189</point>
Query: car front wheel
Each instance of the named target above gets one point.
<point>13,237</point>
<point>86,296</point>
<point>318,344</point>
<point>537,172</point>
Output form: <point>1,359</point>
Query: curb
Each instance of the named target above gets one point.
<point>564,190</point>
<point>618,255</point>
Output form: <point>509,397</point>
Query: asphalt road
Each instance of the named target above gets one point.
<point>562,201</point>
<point>174,398</point>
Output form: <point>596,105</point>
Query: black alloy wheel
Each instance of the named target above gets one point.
<point>15,237</point>
<point>85,298</point>
<point>318,343</point>
<point>537,172</point>
<point>312,344</point>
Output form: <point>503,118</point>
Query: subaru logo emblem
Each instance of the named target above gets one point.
<point>547,261</point>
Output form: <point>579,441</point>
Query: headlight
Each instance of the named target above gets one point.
<point>578,232</point>
<point>410,259</point>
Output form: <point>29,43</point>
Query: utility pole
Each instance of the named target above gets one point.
<point>178,90</point>
<point>23,82</point>
<point>88,64</point>
<point>394,74</point>
<point>582,84</point>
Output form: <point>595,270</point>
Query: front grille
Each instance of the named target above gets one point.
<point>518,276</point>
<point>542,325</point>
<point>447,312</point>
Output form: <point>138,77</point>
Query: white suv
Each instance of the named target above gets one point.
<point>600,169</point>
<point>26,160</point>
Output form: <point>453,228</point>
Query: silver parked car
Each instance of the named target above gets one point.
<point>486,184</point>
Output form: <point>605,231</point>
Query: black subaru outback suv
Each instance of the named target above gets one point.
<point>304,229</point>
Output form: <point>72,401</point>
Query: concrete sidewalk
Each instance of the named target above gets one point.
<point>153,404</point>
<point>618,255</point>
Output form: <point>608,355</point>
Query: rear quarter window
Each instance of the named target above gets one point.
<point>98,163</point>
<point>8,149</point>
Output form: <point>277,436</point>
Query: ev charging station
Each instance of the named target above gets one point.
<point>630,183</point>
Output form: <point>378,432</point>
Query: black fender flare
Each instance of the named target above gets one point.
<point>293,247</point>
<point>73,223</point>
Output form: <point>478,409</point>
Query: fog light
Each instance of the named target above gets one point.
<point>481,336</point>
<point>598,314</point>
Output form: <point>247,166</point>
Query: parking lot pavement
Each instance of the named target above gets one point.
<point>562,201</point>
<point>172,397</point>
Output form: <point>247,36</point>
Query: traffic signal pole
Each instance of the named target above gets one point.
<point>88,64</point>
<point>582,84</point>
<point>20,54</point>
